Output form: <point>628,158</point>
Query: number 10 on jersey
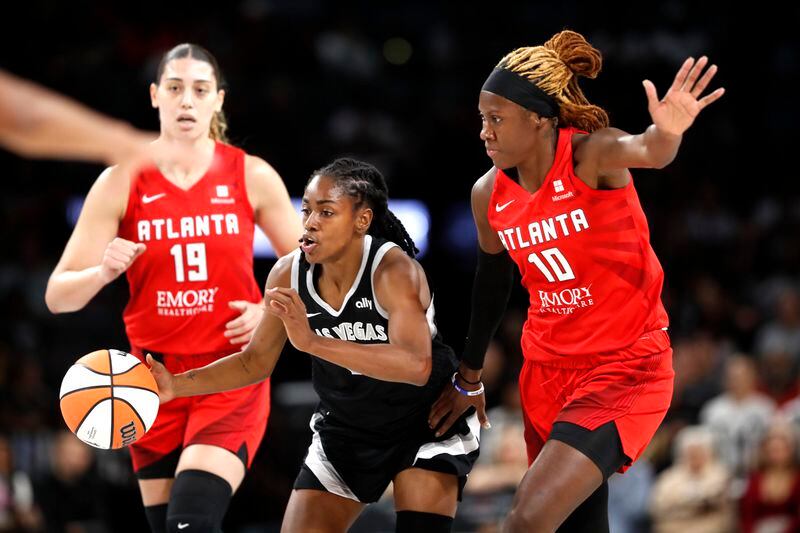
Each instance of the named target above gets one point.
<point>556,264</point>
<point>191,263</point>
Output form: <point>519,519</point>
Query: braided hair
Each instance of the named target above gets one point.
<point>366,185</point>
<point>555,68</point>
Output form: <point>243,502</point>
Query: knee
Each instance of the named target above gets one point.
<point>198,502</point>
<point>526,521</point>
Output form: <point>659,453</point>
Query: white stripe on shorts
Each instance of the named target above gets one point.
<point>458,444</point>
<point>317,462</point>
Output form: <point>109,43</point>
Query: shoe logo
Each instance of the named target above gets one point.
<point>183,525</point>
<point>147,199</point>
<point>499,207</point>
<point>309,315</point>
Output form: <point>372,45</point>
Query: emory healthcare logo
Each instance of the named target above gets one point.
<point>566,301</point>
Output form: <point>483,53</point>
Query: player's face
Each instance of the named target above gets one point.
<point>187,98</point>
<point>507,130</point>
<point>331,223</point>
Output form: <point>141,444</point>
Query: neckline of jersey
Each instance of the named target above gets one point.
<point>312,290</point>
<point>217,150</point>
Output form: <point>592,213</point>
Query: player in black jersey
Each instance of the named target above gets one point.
<point>354,298</point>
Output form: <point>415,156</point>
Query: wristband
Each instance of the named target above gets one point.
<point>463,391</point>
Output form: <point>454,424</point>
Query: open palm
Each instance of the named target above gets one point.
<point>682,103</point>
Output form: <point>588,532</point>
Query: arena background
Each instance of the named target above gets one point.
<point>396,83</point>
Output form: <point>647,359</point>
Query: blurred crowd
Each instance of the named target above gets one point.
<point>398,86</point>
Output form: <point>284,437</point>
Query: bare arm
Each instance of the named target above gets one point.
<point>407,356</point>
<point>38,122</point>
<point>253,364</point>
<point>93,256</point>
<point>273,209</point>
<point>608,150</point>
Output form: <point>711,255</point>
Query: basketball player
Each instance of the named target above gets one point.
<point>36,122</point>
<point>362,307</point>
<point>184,235</point>
<point>559,200</point>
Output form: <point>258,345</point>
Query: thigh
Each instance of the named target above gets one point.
<point>213,459</point>
<point>234,420</point>
<point>557,482</point>
<point>316,511</point>
<point>416,489</point>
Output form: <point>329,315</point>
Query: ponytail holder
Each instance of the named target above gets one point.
<point>464,391</point>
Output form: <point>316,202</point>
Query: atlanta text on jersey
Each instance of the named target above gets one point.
<point>196,226</point>
<point>540,231</point>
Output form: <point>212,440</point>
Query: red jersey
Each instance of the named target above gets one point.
<point>585,258</point>
<point>199,257</point>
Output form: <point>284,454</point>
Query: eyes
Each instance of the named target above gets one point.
<point>200,90</point>
<point>491,118</point>
<point>306,212</point>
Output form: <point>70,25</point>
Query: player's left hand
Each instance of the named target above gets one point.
<point>287,305</point>
<point>241,328</point>
<point>680,106</point>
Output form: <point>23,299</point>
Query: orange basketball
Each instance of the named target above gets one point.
<point>109,399</point>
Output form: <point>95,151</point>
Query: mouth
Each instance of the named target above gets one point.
<point>491,152</point>
<point>308,244</point>
<point>187,120</point>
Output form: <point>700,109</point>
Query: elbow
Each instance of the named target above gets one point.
<point>422,372</point>
<point>53,304</point>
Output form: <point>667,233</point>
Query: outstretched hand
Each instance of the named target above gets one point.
<point>163,379</point>
<point>680,106</point>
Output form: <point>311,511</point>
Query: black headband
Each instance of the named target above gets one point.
<point>514,87</point>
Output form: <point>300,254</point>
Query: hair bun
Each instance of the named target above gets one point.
<point>575,51</point>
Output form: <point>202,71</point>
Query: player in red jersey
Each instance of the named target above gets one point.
<point>560,201</point>
<point>184,235</point>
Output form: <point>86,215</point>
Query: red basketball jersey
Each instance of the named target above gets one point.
<point>199,257</point>
<point>586,261</point>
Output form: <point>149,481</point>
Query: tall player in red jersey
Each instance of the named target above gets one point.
<point>184,235</point>
<point>559,200</point>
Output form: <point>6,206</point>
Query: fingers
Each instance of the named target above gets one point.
<point>694,73</point>
<point>482,418</point>
<point>239,305</point>
<point>650,90</point>
<point>680,77</point>
<point>243,338</point>
<point>439,409</point>
<point>154,365</point>
<point>703,83</point>
<point>447,423</point>
<point>277,308</point>
<point>713,97</point>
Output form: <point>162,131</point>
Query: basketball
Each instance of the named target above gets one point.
<point>109,399</point>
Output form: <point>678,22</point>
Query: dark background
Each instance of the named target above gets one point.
<point>309,80</point>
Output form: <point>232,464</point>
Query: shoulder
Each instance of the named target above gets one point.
<point>112,188</point>
<point>587,147</point>
<point>484,185</point>
<point>281,273</point>
<point>257,169</point>
<point>397,269</point>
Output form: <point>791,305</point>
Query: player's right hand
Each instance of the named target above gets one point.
<point>164,379</point>
<point>118,257</point>
<point>451,405</point>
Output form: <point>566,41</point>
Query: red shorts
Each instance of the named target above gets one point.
<point>633,393</point>
<point>235,420</point>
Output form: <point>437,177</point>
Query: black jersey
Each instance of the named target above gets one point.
<point>378,408</point>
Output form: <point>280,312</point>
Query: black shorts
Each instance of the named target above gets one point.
<point>353,464</point>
